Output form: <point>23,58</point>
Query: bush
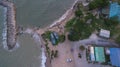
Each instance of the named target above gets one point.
<point>82,48</point>
<point>70,23</point>
<point>78,13</point>
<point>79,30</point>
<point>46,35</point>
<point>56,54</point>
<point>73,36</point>
<point>118,39</point>
<point>52,54</point>
<point>61,38</point>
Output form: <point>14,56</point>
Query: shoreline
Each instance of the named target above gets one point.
<point>63,18</point>
<point>37,38</point>
<point>69,14</point>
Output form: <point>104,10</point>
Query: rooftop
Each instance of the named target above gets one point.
<point>114,10</point>
<point>99,54</point>
<point>115,56</point>
<point>104,33</point>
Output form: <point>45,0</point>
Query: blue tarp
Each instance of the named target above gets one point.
<point>115,56</point>
<point>114,10</point>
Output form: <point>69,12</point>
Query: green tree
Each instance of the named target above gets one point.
<point>118,39</point>
<point>98,3</point>
<point>61,38</point>
<point>92,5</point>
<point>78,13</point>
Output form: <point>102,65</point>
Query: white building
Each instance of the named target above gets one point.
<point>104,33</point>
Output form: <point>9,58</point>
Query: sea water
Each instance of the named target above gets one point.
<point>40,13</point>
<point>30,13</point>
<point>29,54</point>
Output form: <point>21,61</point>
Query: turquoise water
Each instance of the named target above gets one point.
<point>40,12</point>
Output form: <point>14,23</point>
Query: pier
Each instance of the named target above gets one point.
<point>11,23</point>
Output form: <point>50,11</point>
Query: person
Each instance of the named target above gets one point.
<point>79,55</point>
<point>69,60</point>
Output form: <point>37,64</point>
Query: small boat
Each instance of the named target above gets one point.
<point>56,35</point>
<point>52,38</point>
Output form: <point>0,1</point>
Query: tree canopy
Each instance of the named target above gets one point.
<point>78,13</point>
<point>98,3</point>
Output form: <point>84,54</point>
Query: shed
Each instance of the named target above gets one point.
<point>104,33</point>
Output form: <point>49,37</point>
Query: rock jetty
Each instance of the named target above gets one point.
<point>11,23</point>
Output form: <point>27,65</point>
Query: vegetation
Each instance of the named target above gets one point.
<point>79,28</point>
<point>61,38</point>
<point>118,39</point>
<point>82,48</point>
<point>54,54</point>
<point>78,13</point>
<point>47,49</point>
<point>46,35</point>
<point>98,4</point>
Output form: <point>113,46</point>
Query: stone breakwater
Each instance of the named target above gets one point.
<point>11,24</point>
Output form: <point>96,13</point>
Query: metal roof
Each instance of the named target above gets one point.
<point>104,33</point>
<point>114,10</point>
<point>99,54</point>
<point>115,56</point>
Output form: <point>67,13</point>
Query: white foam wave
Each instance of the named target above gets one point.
<point>38,40</point>
<point>4,34</point>
<point>44,58</point>
<point>16,46</point>
<point>29,31</point>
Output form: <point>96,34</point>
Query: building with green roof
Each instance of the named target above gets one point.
<point>99,54</point>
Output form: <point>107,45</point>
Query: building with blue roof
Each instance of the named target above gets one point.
<point>115,56</point>
<point>114,10</point>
